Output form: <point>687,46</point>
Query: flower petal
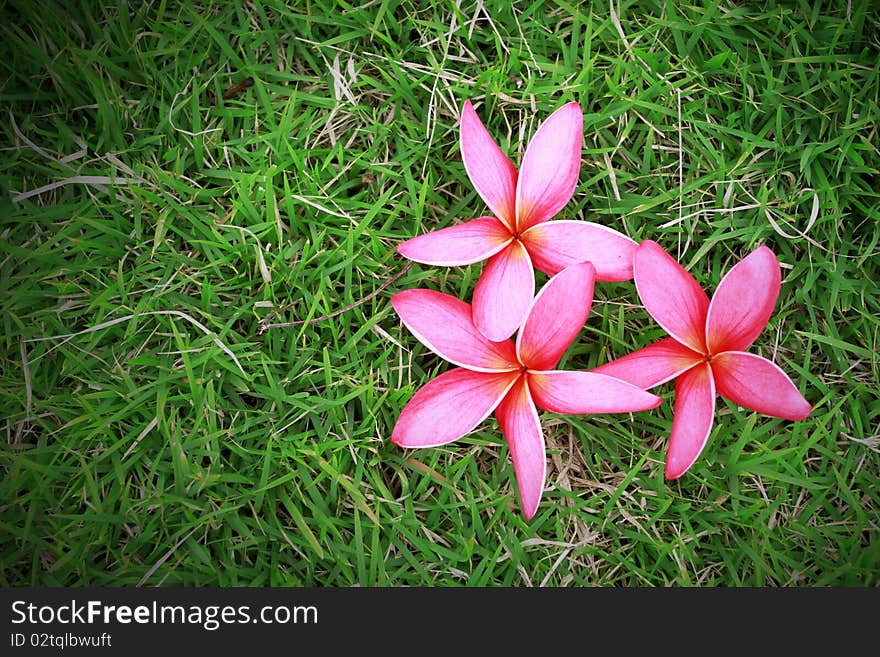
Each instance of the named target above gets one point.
<point>519,422</point>
<point>450,406</point>
<point>652,365</point>
<point>444,325</point>
<point>555,245</point>
<point>743,302</point>
<point>671,295</point>
<point>694,413</point>
<point>550,167</point>
<point>556,317</point>
<point>758,384</point>
<point>503,293</point>
<point>490,170</point>
<point>586,392</point>
<point>463,244</point>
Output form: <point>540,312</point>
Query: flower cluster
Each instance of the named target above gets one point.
<point>705,352</point>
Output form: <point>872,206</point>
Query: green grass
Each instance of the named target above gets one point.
<point>141,453</point>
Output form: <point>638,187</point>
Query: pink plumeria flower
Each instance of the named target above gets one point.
<point>706,353</point>
<point>506,378</point>
<point>519,235</point>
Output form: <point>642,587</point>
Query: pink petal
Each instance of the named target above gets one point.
<point>694,413</point>
<point>522,430</point>
<point>459,245</point>
<point>587,392</point>
<point>555,245</point>
<point>491,172</point>
<point>756,383</point>
<point>443,324</point>
<point>550,167</point>
<point>671,295</point>
<point>556,317</point>
<point>743,302</point>
<point>450,406</point>
<point>652,365</point>
<point>503,293</point>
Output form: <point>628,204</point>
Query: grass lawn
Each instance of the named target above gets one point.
<point>158,431</point>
